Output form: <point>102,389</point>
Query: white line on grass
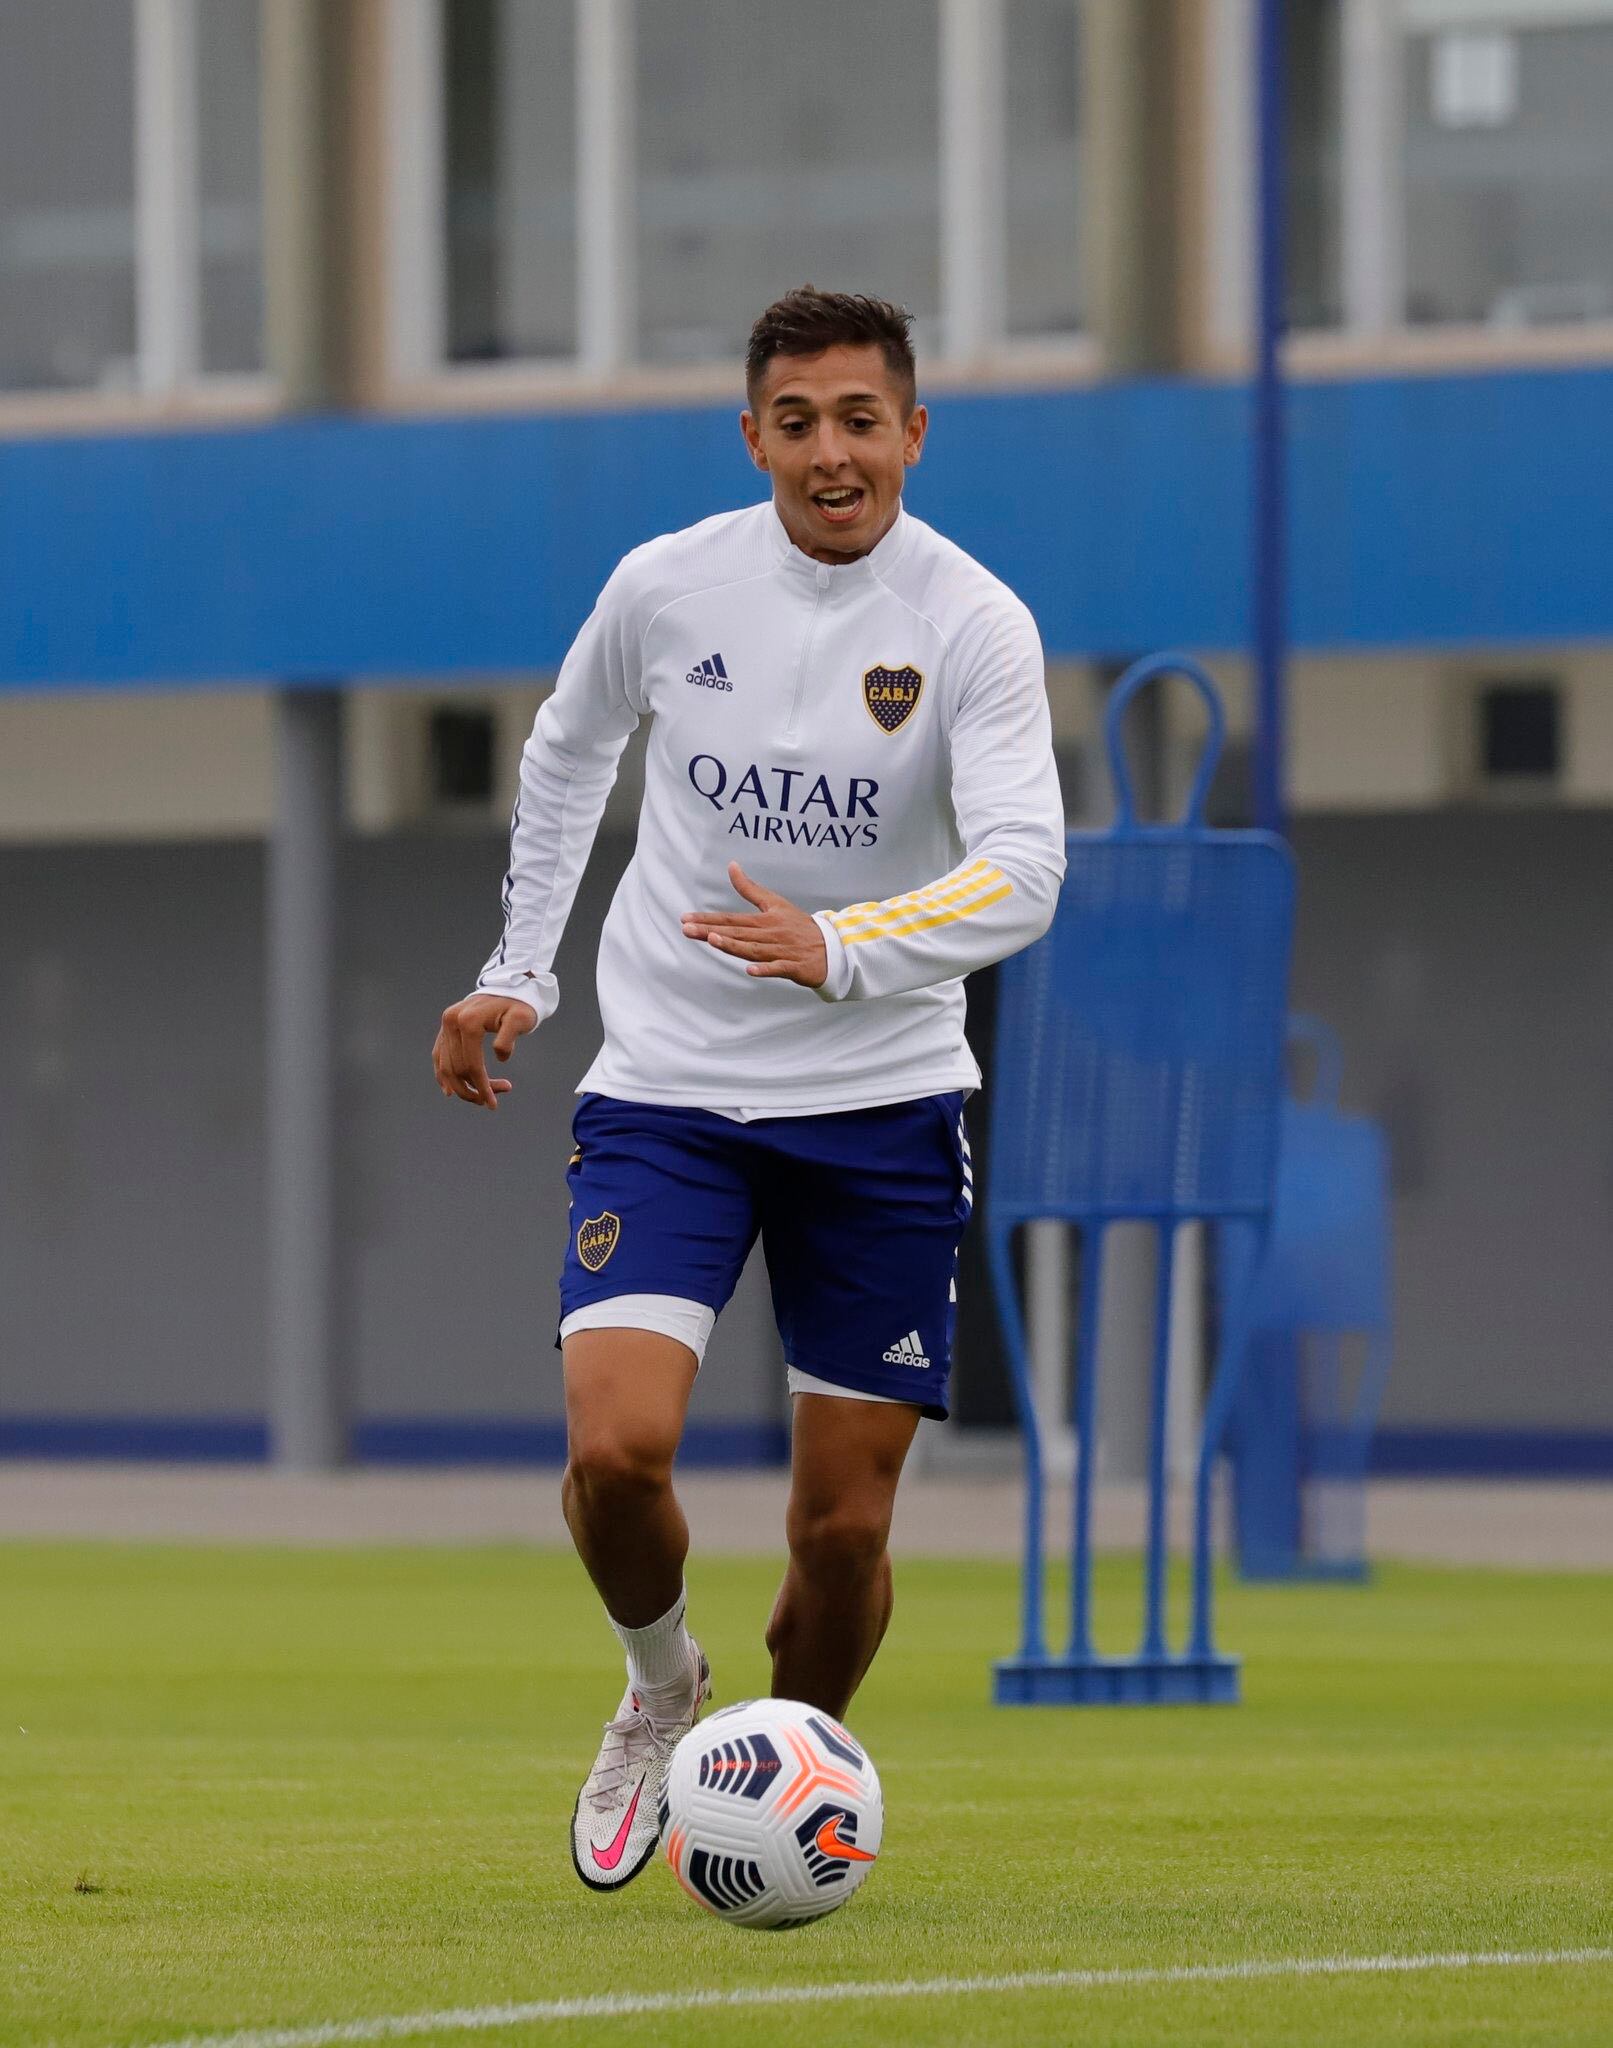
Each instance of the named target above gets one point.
<point>625,2004</point>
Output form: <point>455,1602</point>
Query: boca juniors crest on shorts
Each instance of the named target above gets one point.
<point>890,694</point>
<point>597,1239</point>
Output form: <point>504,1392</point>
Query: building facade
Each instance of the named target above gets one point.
<point>569,210</point>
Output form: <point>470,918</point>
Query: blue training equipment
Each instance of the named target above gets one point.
<point>1300,1440</point>
<point>1138,1076</point>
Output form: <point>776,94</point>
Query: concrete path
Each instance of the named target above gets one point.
<point>1566,1527</point>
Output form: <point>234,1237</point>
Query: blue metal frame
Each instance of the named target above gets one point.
<point>1325,1274</point>
<point>1268,567</point>
<point>1031,1179</point>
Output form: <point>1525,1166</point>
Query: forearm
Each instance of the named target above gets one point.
<point>978,913</point>
<point>1008,813</point>
<point>564,784</point>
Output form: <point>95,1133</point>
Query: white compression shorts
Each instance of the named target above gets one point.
<point>691,1323</point>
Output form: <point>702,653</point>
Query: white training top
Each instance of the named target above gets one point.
<point>871,740</point>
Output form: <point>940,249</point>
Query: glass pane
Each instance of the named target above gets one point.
<point>781,145</point>
<point>1043,211</point>
<point>66,194</point>
<point>1509,175</point>
<point>230,180</point>
<point>1315,268</point>
<point>512,203</point>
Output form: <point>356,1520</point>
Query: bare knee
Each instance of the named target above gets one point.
<point>626,1392</point>
<point>841,1542</point>
<point>615,1469</point>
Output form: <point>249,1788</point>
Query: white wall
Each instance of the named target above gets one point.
<point>199,764</point>
<point>187,765</point>
<point>1590,727</point>
<point>1366,733</point>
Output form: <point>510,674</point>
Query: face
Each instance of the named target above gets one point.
<point>834,433</point>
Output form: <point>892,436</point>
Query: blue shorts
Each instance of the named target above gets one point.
<point>859,1212</point>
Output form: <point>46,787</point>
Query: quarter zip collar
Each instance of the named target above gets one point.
<point>843,575</point>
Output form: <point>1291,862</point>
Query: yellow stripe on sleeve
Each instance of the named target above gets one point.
<point>857,913</point>
<point>898,930</point>
<point>982,875</point>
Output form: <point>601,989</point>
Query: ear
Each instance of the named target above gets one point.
<point>918,422</point>
<point>753,438</point>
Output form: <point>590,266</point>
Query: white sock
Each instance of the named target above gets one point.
<point>660,1662</point>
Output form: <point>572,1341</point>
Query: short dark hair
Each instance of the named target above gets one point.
<point>806,321</point>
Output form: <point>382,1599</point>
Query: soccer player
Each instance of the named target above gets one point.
<point>849,802</point>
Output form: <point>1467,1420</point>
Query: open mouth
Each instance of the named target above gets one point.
<point>841,504</point>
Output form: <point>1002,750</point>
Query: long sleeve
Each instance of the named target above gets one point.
<point>567,769</point>
<point>1010,817</point>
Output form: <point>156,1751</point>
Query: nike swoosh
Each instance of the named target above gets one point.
<point>831,1842</point>
<point>608,1858</point>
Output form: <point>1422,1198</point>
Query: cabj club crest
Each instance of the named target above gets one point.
<point>597,1238</point>
<point>890,694</point>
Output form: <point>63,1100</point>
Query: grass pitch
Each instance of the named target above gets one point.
<point>278,1789</point>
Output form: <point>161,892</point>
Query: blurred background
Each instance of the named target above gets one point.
<point>344,347</point>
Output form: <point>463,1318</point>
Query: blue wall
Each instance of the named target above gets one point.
<point>206,1439</point>
<point>1438,511</point>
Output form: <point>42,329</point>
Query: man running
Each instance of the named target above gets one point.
<point>849,803</point>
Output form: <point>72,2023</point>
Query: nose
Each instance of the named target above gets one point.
<point>830,451</point>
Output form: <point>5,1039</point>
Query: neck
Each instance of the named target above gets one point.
<point>837,558</point>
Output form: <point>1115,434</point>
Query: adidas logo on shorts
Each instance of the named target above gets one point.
<point>907,1350</point>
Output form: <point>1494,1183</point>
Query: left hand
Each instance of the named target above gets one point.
<point>775,938</point>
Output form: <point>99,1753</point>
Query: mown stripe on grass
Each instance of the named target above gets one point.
<point>625,2004</point>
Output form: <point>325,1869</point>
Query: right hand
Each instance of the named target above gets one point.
<point>459,1056</point>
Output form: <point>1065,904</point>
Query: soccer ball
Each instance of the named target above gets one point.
<point>771,1814</point>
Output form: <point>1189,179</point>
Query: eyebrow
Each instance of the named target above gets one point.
<point>849,398</point>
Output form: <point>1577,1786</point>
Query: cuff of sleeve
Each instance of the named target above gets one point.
<point>542,992</point>
<point>836,984</point>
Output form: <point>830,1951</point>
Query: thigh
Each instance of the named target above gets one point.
<point>846,1458</point>
<point>627,1393</point>
<point>861,1218</point>
<point>661,1204</point>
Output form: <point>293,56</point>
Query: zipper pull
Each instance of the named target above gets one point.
<point>824,573</point>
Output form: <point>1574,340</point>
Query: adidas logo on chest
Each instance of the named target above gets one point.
<point>908,1350</point>
<point>709,674</point>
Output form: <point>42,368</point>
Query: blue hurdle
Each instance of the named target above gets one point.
<point>1138,1076</point>
<point>1300,1438</point>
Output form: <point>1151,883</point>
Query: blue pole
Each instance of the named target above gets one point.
<point>1082,1649</point>
<point>1269,564</point>
<point>1032,1641</point>
<point>1156,1562</point>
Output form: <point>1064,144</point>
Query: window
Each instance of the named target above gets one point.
<point>1042,147</point>
<point>510,70</point>
<point>734,148</point>
<point>67,268</point>
<point>1314,102</point>
<point>230,224</point>
<point>1509,165</point>
<point>1520,731</point>
<point>1449,162</point>
<point>460,746</point>
<point>780,146</point>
